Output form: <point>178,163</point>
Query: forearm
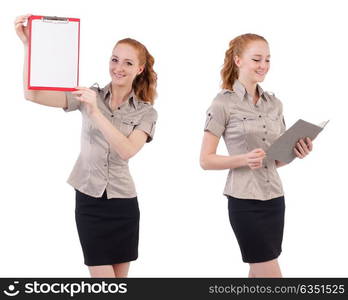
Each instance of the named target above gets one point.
<point>118,142</point>
<point>27,93</point>
<point>222,162</point>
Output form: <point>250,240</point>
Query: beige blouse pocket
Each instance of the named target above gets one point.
<point>274,124</point>
<point>250,124</point>
<point>128,124</point>
<point>235,123</point>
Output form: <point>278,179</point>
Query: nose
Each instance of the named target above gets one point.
<point>118,67</point>
<point>263,64</point>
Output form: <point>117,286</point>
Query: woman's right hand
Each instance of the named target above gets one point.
<point>21,30</point>
<point>254,158</point>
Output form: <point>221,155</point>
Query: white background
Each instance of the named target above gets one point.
<point>185,230</point>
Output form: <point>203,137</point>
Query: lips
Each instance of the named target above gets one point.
<point>119,76</point>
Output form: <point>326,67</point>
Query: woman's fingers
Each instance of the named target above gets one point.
<point>298,154</point>
<point>82,88</point>
<point>21,19</point>
<point>21,30</point>
<point>85,95</point>
<point>254,160</point>
<point>309,144</point>
<point>258,151</point>
<point>304,147</point>
<point>256,155</point>
<point>299,148</point>
<point>85,91</point>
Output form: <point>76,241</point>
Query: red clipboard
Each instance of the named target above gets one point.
<point>53,53</point>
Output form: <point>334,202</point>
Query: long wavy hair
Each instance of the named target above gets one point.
<point>144,85</point>
<point>230,72</point>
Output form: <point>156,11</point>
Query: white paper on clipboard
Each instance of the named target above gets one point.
<point>54,53</point>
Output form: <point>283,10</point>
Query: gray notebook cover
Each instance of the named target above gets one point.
<point>283,148</point>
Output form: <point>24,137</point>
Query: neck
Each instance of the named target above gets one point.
<point>120,93</point>
<point>249,86</point>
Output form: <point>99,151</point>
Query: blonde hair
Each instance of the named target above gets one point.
<point>145,83</point>
<point>229,72</point>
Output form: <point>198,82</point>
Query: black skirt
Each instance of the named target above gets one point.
<point>108,229</point>
<point>258,226</point>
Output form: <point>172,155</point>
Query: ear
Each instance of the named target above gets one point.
<point>237,60</point>
<point>141,69</point>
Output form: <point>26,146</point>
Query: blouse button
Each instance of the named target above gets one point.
<point>112,116</point>
<point>264,126</point>
<point>263,139</point>
<point>260,116</point>
<point>118,108</point>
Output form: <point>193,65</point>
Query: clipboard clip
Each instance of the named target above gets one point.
<point>55,19</point>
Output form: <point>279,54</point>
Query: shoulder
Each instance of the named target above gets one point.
<point>271,96</point>
<point>224,99</point>
<point>146,109</point>
<point>276,102</point>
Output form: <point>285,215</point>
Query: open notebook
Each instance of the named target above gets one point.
<point>282,149</point>
<point>53,60</point>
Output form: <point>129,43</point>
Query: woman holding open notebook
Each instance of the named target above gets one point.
<point>249,119</point>
<point>117,120</point>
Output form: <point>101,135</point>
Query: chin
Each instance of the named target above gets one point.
<point>260,78</point>
<point>117,83</point>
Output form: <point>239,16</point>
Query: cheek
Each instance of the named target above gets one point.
<point>132,72</point>
<point>251,68</point>
<point>111,66</point>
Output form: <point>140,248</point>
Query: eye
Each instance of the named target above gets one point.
<point>114,60</point>
<point>256,60</point>
<point>129,63</point>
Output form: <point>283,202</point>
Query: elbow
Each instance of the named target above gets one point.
<point>28,96</point>
<point>203,163</point>
<point>126,155</point>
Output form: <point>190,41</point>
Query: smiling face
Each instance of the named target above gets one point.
<point>254,62</point>
<point>124,65</point>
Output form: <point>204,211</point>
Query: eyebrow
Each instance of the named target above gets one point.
<point>259,55</point>
<point>124,59</point>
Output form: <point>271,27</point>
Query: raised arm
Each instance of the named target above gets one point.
<point>48,98</point>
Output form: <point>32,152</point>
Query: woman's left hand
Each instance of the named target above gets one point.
<point>302,148</point>
<point>88,97</point>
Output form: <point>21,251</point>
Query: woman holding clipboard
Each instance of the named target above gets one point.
<point>117,121</point>
<point>250,119</point>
